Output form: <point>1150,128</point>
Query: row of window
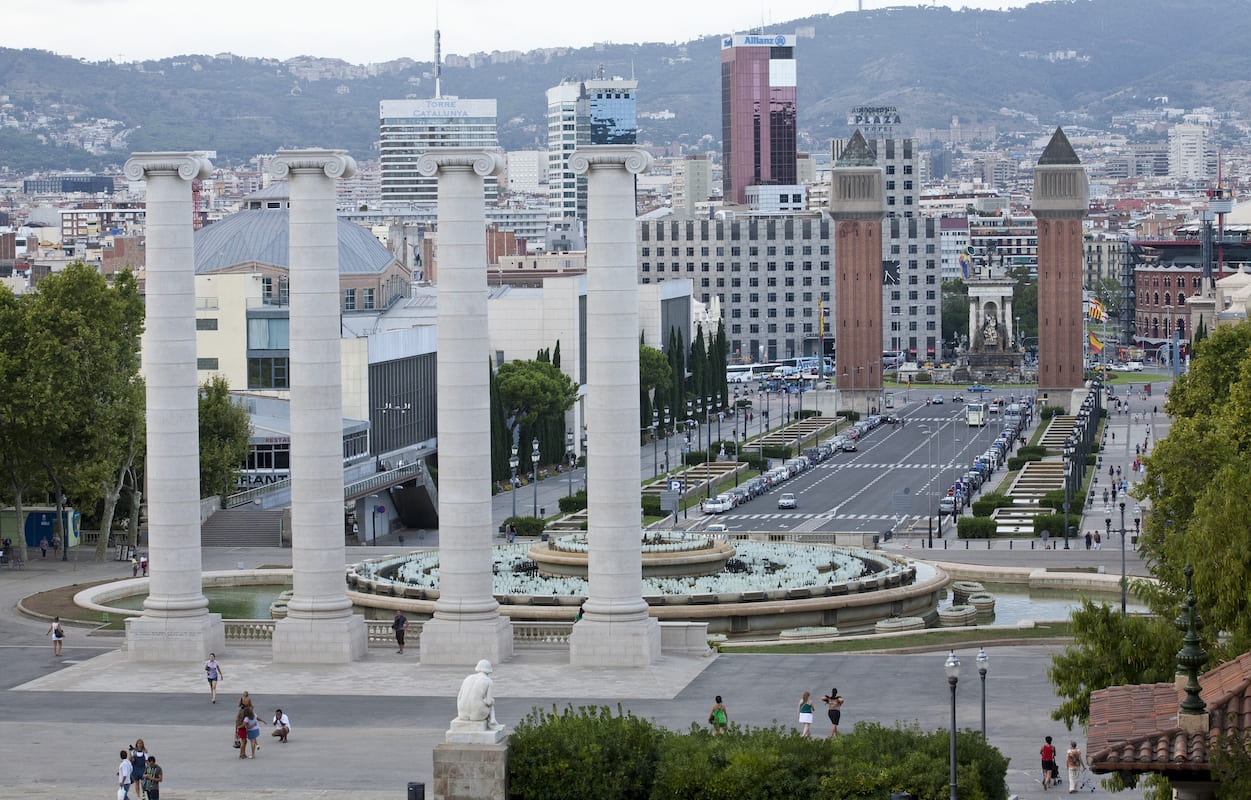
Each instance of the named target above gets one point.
<point>367,299</point>
<point>736,250</point>
<point>704,266</point>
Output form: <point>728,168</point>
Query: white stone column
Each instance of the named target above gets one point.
<point>176,624</point>
<point>320,626</point>
<point>616,630</point>
<point>467,625</point>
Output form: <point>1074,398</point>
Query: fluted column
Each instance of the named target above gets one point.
<point>176,624</point>
<point>319,626</point>
<point>467,625</point>
<point>616,630</point>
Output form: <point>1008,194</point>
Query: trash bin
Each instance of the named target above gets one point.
<point>416,790</point>
<point>875,541</point>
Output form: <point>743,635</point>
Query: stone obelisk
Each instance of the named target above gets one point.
<point>176,624</point>
<point>467,625</point>
<point>616,630</point>
<point>320,626</point>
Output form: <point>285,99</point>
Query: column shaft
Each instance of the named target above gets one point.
<point>320,626</point>
<point>616,629</point>
<point>176,623</point>
<point>466,626</point>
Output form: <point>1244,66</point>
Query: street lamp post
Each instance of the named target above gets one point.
<point>799,416</point>
<point>655,444</point>
<point>513,462</point>
<point>952,668</point>
<point>373,519</point>
<point>586,459</point>
<point>983,661</point>
<point>666,424</point>
<point>534,463</point>
<point>929,515</point>
<point>569,457</point>
<point>1068,475</point>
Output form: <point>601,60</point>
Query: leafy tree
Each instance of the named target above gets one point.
<point>654,376</point>
<point>121,440</point>
<point>225,433</point>
<point>1109,292</point>
<point>1025,300</point>
<point>532,390</point>
<point>21,409</point>
<point>955,310</point>
<point>501,434</point>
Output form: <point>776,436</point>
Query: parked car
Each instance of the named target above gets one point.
<point>787,500</point>
<point>850,445</point>
<point>718,505</point>
<point>979,387</point>
<point>937,400</point>
<point>947,505</point>
<point>716,527</point>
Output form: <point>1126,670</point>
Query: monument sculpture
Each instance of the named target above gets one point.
<point>993,353</point>
<point>475,721</point>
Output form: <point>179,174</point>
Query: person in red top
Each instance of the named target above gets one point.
<point>1050,773</point>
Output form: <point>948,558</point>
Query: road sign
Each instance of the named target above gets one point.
<point>675,485</point>
<point>669,501</point>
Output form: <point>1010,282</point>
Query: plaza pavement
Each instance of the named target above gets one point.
<point>369,728</point>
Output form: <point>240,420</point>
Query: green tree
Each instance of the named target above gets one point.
<point>1109,292</point>
<point>120,439</point>
<point>1024,300</point>
<point>955,310</point>
<point>225,435</point>
<point>21,405</point>
<point>532,390</point>
<point>501,434</point>
<point>654,376</point>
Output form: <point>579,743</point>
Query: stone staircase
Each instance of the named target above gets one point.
<point>242,527</point>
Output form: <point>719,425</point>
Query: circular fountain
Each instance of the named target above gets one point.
<point>739,587</point>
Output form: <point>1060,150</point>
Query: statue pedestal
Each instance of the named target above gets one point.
<point>475,732</point>
<point>470,771</point>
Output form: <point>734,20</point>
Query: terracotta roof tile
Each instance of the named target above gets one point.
<point>1135,728</point>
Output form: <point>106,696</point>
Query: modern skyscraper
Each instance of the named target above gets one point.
<point>758,112</point>
<point>580,113</point>
<point>410,128</point>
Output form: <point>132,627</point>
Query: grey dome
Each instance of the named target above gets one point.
<point>261,236</point>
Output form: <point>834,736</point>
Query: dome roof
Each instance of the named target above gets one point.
<point>261,236</point>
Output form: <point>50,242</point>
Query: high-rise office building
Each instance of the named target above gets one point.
<point>580,113</point>
<point>758,112</point>
<point>412,127</point>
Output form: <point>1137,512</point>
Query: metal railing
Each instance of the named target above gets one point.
<point>526,635</point>
<point>251,495</point>
<point>366,485</point>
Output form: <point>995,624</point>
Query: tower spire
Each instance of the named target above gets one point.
<point>438,56</point>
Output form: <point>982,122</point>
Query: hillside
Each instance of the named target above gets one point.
<point>932,62</point>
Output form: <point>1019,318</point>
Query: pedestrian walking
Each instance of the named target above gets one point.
<point>399,625</point>
<point>134,567</point>
<point>143,564</point>
<point>834,710</point>
<point>512,532</point>
<point>805,716</point>
<point>241,732</point>
<point>43,547</point>
<point>1089,539</point>
<point>1098,541</point>
<point>124,772</point>
<point>1073,760</point>
<point>1051,774</point>
<point>718,717</point>
<point>152,777</point>
<point>213,671</point>
<point>138,763</point>
<point>58,635</point>
<point>282,726</point>
<point>253,726</point>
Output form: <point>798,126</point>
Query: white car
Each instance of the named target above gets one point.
<point>787,500</point>
<point>718,505</point>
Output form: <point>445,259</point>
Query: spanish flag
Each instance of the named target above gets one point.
<point>1095,344</point>
<point>1097,311</point>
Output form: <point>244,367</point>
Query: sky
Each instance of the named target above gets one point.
<point>381,30</point>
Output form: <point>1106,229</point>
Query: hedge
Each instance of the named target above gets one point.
<point>527,526</point>
<point>1052,499</point>
<point>693,457</point>
<point>921,377</point>
<point>985,506</point>
<point>1055,524</point>
<point>782,452</point>
<point>1091,459</point>
<point>651,505</point>
<point>807,412</point>
<point>849,415</point>
<point>1035,451</point>
<point>976,528</point>
<point>1017,462</point>
<point>594,753</point>
<point>577,502</point>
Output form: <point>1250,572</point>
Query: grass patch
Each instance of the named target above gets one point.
<point>931,639</point>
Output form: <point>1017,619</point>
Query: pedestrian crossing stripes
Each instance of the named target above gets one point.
<point>821,516</point>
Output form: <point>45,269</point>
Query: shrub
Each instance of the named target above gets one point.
<point>777,452</point>
<point>985,506</point>
<point>577,502</point>
<point>527,526</point>
<point>1094,447</point>
<point>1032,451</point>
<point>1055,524</point>
<point>695,457</point>
<point>1017,462</point>
<point>921,377</point>
<point>651,505</point>
<point>976,527</point>
<point>807,412</point>
<point>1052,499</point>
<point>1047,412</point>
<point>849,415</point>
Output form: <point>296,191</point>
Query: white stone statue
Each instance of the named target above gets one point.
<point>475,709</point>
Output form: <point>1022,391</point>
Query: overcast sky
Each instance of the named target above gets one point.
<point>380,30</point>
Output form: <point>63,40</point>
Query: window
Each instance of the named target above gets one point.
<point>268,373</point>
<point>349,299</point>
<point>206,363</point>
<point>269,334</point>
<point>367,298</point>
<point>736,313</point>
<point>771,297</point>
<point>206,324</point>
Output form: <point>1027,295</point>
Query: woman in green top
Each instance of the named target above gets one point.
<point>805,715</point>
<point>718,717</point>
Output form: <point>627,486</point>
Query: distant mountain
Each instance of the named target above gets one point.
<point>1097,57</point>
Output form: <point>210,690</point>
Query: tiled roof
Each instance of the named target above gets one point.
<point>1134,728</point>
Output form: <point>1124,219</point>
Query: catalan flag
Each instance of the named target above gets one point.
<point>1097,311</point>
<point>1095,345</point>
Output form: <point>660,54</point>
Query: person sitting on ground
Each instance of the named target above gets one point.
<point>282,726</point>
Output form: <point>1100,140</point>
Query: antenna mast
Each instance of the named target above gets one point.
<point>438,57</point>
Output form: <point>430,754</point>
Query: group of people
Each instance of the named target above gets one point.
<point>138,767</point>
<point>1073,761</point>
<point>247,724</point>
<point>44,544</point>
<point>139,563</point>
<point>719,716</point>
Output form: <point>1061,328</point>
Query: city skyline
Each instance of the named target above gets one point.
<point>101,30</point>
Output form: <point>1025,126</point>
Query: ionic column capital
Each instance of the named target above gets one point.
<point>333,163</point>
<point>631,159</point>
<point>188,166</point>
<point>483,161</point>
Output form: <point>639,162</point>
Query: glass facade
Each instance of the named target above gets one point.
<point>758,113</point>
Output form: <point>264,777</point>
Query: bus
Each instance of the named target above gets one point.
<point>975,414</point>
<point>739,373</point>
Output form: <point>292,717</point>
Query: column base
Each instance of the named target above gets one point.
<point>470,771</point>
<point>632,643</point>
<point>334,640</point>
<point>454,643</point>
<point>153,638</point>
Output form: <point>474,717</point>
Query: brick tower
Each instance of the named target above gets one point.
<point>857,206</point>
<point>1061,195</point>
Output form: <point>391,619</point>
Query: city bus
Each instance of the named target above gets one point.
<point>739,373</point>
<point>975,414</point>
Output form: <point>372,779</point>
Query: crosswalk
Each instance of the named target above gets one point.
<point>801,516</point>
<point>880,466</point>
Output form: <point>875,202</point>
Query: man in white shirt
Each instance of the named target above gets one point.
<point>124,771</point>
<point>282,726</point>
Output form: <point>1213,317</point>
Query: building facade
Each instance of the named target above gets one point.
<point>410,128</point>
<point>580,113</point>
<point>758,113</point>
